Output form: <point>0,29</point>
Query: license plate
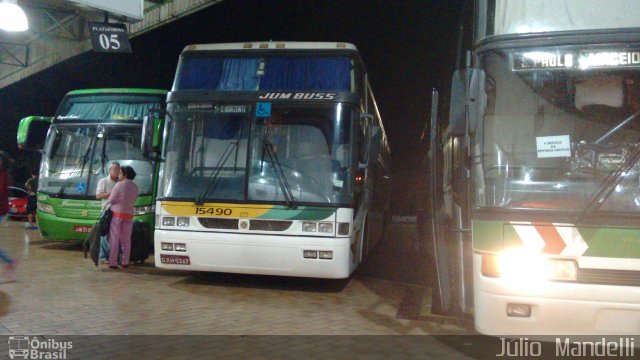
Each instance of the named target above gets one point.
<point>82,228</point>
<point>175,259</point>
<point>12,210</point>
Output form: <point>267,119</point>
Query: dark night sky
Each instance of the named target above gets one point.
<point>407,45</point>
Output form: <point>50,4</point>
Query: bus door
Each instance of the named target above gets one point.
<point>453,248</point>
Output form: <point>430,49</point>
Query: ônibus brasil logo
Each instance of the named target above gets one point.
<point>25,347</point>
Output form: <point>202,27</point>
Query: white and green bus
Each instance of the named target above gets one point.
<point>537,229</point>
<point>275,161</point>
<point>90,129</point>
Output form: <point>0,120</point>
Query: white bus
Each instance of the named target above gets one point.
<point>275,161</point>
<point>538,227</point>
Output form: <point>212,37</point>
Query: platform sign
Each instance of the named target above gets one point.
<point>109,38</point>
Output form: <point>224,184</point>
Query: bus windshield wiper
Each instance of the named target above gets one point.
<point>213,178</point>
<point>282,179</point>
<point>608,185</point>
<point>103,159</point>
<point>615,129</point>
<point>84,163</point>
<point>612,180</point>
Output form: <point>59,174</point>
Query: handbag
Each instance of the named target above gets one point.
<point>105,221</point>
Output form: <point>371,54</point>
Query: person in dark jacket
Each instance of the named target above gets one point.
<point>32,203</point>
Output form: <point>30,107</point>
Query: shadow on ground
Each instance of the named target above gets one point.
<point>66,245</point>
<point>398,258</point>
<point>263,282</point>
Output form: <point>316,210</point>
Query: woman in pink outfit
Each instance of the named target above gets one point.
<point>122,198</point>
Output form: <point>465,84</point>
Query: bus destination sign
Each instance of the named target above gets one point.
<point>575,60</point>
<point>224,109</point>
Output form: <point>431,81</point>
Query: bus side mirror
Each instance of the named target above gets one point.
<point>477,98</point>
<point>32,132</point>
<point>457,106</point>
<point>468,100</point>
<point>150,143</point>
<point>365,128</point>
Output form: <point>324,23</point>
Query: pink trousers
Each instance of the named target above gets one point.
<point>120,236</point>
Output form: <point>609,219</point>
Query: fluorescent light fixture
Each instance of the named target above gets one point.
<point>12,17</point>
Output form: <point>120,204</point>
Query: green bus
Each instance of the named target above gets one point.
<point>90,130</point>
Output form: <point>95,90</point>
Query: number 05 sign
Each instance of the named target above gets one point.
<point>109,37</point>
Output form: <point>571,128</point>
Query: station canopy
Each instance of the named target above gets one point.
<point>58,29</point>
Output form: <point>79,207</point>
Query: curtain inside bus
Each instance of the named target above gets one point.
<point>280,74</point>
<point>307,73</point>
<point>198,73</point>
<point>239,75</point>
<point>108,110</point>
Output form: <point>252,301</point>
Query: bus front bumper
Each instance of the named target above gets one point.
<point>53,227</point>
<point>254,254</point>
<point>556,308</point>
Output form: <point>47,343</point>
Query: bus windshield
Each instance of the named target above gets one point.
<point>225,153</point>
<point>77,156</point>
<point>108,107</point>
<point>559,125</point>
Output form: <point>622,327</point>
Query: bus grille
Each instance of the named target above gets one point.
<point>75,213</point>
<point>270,225</point>
<point>214,223</point>
<point>609,277</point>
<point>232,224</point>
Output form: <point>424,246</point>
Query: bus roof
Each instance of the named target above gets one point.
<point>273,45</point>
<point>118,90</point>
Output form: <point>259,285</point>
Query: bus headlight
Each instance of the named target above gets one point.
<point>47,208</point>
<point>168,221</point>
<point>183,221</point>
<point>325,227</point>
<point>142,210</point>
<point>309,227</point>
<point>528,266</point>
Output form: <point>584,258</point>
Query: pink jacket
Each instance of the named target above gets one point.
<point>123,197</point>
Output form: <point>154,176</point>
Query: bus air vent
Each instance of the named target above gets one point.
<point>270,225</point>
<point>213,223</point>
<point>609,277</point>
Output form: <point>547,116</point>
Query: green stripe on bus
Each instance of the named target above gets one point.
<point>488,235</point>
<point>614,243</point>
<point>619,243</point>
<point>301,213</point>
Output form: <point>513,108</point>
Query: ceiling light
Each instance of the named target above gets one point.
<point>12,17</point>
